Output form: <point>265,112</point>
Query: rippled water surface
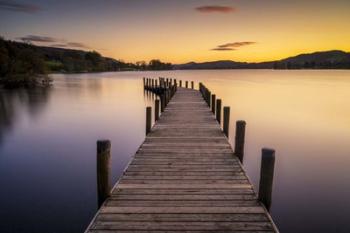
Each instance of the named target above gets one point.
<point>48,143</point>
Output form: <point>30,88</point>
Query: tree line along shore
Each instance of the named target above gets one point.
<point>27,65</point>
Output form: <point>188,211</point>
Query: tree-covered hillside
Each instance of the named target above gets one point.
<point>23,64</point>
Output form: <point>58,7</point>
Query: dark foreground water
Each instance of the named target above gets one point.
<point>48,140</point>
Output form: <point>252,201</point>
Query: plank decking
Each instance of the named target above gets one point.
<point>183,178</point>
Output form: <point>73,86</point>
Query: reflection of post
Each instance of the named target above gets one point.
<point>218,110</point>
<point>226,125</point>
<point>266,176</point>
<point>148,119</point>
<point>213,103</point>
<point>239,140</point>
<point>156,110</point>
<point>103,158</point>
<point>162,102</point>
<point>209,98</point>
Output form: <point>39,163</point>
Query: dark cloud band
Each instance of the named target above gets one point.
<point>54,42</point>
<point>215,9</point>
<point>232,46</point>
<point>19,7</point>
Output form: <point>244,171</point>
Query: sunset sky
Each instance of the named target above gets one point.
<point>180,31</point>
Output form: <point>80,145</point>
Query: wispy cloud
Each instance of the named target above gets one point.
<point>53,42</point>
<point>77,45</point>
<point>19,7</point>
<point>33,38</point>
<point>232,46</point>
<point>223,49</point>
<point>215,9</point>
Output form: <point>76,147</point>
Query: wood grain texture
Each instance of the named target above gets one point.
<point>183,178</point>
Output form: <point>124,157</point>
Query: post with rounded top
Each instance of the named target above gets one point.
<point>180,83</point>
<point>239,139</point>
<point>226,125</point>
<point>156,110</point>
<point>103,170</point>
<point>213,101</point>
<point>144,82</point>
<point>218,110</point>
<point>192,85</point>
<point>148,119</point>
<point>186,84</point>
<point>266,176</point>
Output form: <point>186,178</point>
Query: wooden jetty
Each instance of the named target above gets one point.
<point>185,177</point>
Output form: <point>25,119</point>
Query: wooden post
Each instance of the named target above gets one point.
<point>156,82</point>
<point>144,82</point>
<point>148,119</point>
<point>180,83</point>
<point>186,84</point>
<point>103,170</point>
<point>226,125</point>
<point>192,84</point>
<point>266,176</point>
<point>239,139</point>
<point>218,110</point>
<point>213,101</point>
<point>156,110</point>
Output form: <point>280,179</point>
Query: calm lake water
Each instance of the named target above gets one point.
<point>48,143</point>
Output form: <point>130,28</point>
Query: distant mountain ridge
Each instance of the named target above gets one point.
<point>334,59</point>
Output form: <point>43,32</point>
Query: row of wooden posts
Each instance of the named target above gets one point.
<point>267,157</point>
<point>163,83</point>
<point>166,90</point>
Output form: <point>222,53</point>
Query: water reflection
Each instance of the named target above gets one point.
<point>48,143</point>
<point>14,102</point>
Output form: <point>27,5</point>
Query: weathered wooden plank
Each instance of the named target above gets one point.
<point>179,177</point>
<point>184,186</point>
<point>194,226</point>
<point>185,173</point>
<point>181,203</point>
<point>176,231</point>
<point>183,210</point>
<point>189,191</point>
<point>183,217</point>
<point>168,197</point>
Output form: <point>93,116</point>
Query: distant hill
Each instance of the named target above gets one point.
<point>334,59</point>
<point>319,60</point>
